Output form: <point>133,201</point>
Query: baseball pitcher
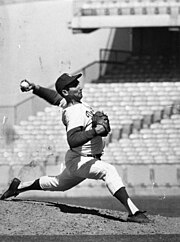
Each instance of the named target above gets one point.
<point>84,158</point>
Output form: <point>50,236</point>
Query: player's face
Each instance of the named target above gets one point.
<point>75,90</point>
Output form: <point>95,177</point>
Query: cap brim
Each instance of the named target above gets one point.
<point>75,77</point>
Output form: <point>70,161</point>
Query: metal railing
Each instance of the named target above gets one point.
<point>31,105</point>
<point>96,69</point>
<point>111,57</point>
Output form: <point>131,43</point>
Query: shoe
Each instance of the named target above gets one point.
<point>12,190</point>
<point>138,217</point>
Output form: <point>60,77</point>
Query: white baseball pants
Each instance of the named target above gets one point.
<point>78,168</point>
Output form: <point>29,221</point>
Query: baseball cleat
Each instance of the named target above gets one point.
<point>12,190</point>
<point>138,217</point>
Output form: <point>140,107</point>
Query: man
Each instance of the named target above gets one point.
<point>86,145</point>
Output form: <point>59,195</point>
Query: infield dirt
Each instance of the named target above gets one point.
<point>30,217</point>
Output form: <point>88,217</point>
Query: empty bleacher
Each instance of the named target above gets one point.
<point>127,105</point>
<point>134,103</point>
<point>144,68</point>
<point>41,137</point>
<point>145,122</point>
<point>157,144</point>
<point>127,7</point>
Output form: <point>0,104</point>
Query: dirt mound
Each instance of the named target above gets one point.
<point>27,217</point>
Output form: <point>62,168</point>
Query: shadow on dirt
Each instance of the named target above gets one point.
<point>64,208</point>
<point>72,209</point>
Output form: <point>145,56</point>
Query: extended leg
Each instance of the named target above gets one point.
<point>62,182</point>
<point>16,188</point>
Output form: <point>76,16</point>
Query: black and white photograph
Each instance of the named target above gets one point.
<point>89,120</point>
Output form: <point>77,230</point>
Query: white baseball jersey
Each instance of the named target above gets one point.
<point>81,115</point>
<point>78,167</point>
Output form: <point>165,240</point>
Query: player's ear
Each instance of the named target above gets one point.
<point>65,93</point>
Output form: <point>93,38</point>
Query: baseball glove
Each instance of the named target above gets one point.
<point>100,118</point>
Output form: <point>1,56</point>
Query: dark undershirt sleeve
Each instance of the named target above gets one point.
<point>49,95</point>
<point>77,137</point>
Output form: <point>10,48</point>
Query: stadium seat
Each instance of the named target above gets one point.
<point>124,8</point>
<point>138,7</point>
<point>137,122</point>
<point>162,6</point>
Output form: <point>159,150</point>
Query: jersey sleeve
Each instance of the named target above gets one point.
<point>50,95</point>
<point>74,117</point>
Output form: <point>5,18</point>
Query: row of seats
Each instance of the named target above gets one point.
<point>128,7</point>
<point>41,137</point>
<point>44,137</point>
<point>157,144</point>
<point>143,68</point>
<point>131,107</point>
<point>126,103</point>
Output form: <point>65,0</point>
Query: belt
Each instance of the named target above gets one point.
<point>97,156</point>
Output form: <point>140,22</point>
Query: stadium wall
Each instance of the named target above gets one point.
<point>36,44</point>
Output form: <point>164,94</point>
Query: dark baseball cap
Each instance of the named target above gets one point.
<point>64,80</point>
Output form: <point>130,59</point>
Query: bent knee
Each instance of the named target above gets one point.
<point>111,169</point>
<point>109,172</point>
<point>49,183</point>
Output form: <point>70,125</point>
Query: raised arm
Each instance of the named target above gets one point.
<point>49,95</point>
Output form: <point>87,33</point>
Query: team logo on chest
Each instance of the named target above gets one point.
<point>89,114</point>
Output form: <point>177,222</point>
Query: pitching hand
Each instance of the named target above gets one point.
<point>26,86</point>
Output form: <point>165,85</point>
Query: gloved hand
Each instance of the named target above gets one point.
<point>101,123</point>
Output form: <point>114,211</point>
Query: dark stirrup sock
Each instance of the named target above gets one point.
<point>123,197</point>
<point>34,186</point>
